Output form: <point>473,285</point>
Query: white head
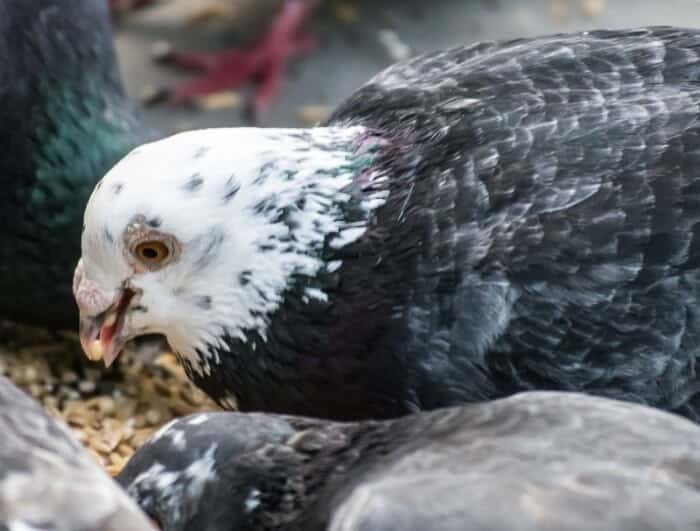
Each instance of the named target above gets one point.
<point>198,235</point>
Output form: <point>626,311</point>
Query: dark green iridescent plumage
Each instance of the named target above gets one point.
<point>64,121</point>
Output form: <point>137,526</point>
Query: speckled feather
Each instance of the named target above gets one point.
<point>541,234</point>
<point>534,461</point>
<point>537,231</point>
<point>65,120</point>
<point>48,481</point>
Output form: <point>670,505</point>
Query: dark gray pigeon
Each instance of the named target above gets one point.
<point>533,462</point>
<point>471,223</point>
<point>66,119</point>
<point>48,481</point>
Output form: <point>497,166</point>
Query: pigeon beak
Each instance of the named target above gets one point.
<point>102,337</point>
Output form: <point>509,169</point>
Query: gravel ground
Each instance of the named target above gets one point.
<point>111,411</point>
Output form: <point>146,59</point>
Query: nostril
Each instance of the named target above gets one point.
<point>90,298</point>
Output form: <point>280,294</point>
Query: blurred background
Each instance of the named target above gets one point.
<point>355,39</point>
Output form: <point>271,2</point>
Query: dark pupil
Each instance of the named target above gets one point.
<point>150,253</point>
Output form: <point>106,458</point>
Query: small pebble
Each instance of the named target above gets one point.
<point>69,377</point>
<point>30,374</point>
<point>139,422</point>
<point>219,100</point>
<point>50,402</point>
<point>68,393</point>
<point>113,470</point>
<point>72,394</point>
<point>153,417</point>
<point>124,449</point>
<point>36,390</point>
<point>106,405</point>
<point>116,459</point>
<point>87,386</point>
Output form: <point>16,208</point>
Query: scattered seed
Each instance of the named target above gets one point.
<point>35,390</point>
<point>69,377</point>
<point>140,436</point>
<point>124,449</point>
<point>87,386</point>
<point>72,394</point>
<point>153,417</point>
<point>123,409</point>
<point>219,100</point>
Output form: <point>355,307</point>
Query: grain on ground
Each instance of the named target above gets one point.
<point>111,411</point>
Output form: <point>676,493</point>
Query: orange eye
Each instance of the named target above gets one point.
<point>152,252</point>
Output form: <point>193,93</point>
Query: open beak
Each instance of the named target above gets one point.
<point>102,336</point>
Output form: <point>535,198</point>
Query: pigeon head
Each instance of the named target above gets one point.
<point>207,471</point>
<point>199,236</point>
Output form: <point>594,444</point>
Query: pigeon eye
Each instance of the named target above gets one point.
<point>152,252</point>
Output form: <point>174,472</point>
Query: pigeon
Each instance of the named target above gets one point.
<point>280,39</point>
<point>48,481</point>
<point>66,121</point>
<point>471,223</point>
<point>533,461</point>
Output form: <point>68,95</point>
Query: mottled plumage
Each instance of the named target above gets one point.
<point>65,121</point>
<point>510,216</point>
<point>531,462</point>
<point>48,481</point>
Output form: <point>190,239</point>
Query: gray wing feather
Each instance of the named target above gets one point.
<point>48,481</point>
<point>533,462</point>
<point>563,169</point>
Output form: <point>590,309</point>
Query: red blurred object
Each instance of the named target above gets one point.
<point>264,63</point>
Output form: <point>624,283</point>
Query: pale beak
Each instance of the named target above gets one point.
<point>102,337</point>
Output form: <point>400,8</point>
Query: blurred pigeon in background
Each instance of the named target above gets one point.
<point>48,481</point>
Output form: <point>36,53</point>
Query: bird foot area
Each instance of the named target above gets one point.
<point>264,64</point>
